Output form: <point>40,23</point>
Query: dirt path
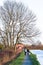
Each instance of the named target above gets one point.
<point>27,60</point>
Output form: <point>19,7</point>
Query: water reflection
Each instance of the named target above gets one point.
<point>39,54</point>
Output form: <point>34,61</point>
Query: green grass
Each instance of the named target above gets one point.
<point>18,60</point>
<point>34,59</point>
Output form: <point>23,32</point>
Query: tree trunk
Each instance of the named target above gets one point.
<point>12,37</point>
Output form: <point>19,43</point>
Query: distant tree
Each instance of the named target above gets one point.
<point>18,22</point>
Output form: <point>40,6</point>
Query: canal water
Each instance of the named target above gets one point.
<point>39,54</point>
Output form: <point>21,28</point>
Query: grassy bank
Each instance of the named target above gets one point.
<point>34,59</point>
<point>18,60</point>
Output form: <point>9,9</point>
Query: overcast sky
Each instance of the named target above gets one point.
<point>37,7</point>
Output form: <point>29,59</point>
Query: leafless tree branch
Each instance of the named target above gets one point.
<point>18,22</point>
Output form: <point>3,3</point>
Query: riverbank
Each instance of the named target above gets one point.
<point>34,59</point>
<point>39,54</point>
<point>18,60</point>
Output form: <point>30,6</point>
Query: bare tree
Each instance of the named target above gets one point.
<point>18,21</point>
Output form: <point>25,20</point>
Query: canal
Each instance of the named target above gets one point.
<point>39,54</point>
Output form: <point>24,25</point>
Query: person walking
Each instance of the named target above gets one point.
<point>25,50</point>
<point>28,52</point>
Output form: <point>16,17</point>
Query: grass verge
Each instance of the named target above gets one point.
<point>18,60</point>
<point>34,59</point>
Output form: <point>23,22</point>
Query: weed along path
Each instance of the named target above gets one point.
<point>27,60</point>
